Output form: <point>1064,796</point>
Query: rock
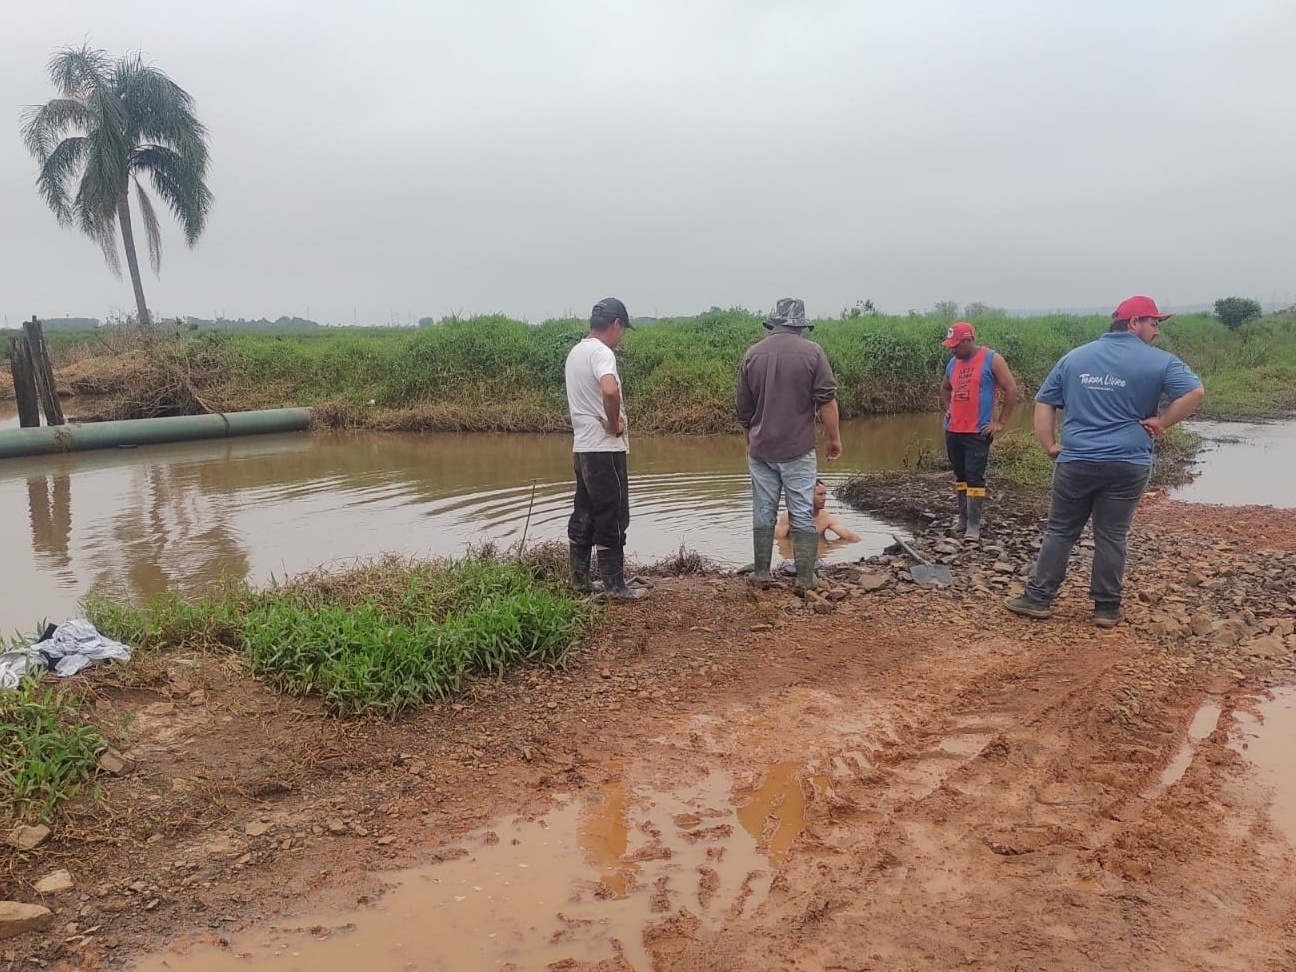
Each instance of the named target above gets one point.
<point>823,607</point>
<point>160,710</point>
<point>257,828</point>
<point>336,826</point>
<point>1004,568</point>
<point>873,582</point>
<point>56,882</point>
<point>1267,647</point>
<point>17,917</point>
<point>29,838</point>
<point>114,763</point>
<point>1229,631</point>
<point>1201,624</point>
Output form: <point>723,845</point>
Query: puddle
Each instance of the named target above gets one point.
<point>1269,742</point>
<point>1243,464</point>
<point>581,884</point>
<point>1203,724</point>
<point>774,814</point>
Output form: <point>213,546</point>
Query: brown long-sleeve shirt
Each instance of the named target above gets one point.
<point>782,382</point>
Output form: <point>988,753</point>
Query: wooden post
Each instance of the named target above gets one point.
<point>44,370</point>
<point>24,379</point>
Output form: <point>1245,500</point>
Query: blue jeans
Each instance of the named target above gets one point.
<point>1109,492</point>
<point>794,478</point>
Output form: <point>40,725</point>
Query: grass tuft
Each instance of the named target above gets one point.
<point>381,637</point>
<point>46,751</point>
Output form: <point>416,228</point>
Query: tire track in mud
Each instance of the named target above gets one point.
<point>924,841</point>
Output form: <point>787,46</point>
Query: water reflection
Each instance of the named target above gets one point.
<point>181,516</point>
<point>171,531</point>
<point>49,500</point>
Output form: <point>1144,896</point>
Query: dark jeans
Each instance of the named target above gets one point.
<point>969,453</point>
<point>602,505</point>
<point>1107,491</point>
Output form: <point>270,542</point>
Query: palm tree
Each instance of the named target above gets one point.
<point>130,121</point>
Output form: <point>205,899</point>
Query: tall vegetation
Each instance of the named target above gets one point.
<point>495,374</point>
<point>113,124</point>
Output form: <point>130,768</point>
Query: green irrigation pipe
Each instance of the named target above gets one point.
<point>80,437</point>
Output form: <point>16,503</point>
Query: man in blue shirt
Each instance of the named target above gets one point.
<point>1108,391</point>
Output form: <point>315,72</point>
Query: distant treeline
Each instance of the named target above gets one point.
<point>282,325</point>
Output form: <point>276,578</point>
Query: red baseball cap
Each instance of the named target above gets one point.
<point>1133,307</point>
<point>959,332</point>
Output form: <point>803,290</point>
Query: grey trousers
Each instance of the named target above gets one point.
<point>1109,492</point>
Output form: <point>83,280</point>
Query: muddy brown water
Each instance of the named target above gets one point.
<point>1267,737</point>
<point>577,884</point>
<point>134,522</point>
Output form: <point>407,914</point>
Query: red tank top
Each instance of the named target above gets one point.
<point>972,392</point>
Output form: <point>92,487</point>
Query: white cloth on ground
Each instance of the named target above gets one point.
<point>75,645</point>
<point>71,647</point>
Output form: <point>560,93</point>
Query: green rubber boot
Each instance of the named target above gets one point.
<point>763,545</point>
<point>975,509</point>
<point>805,546</point>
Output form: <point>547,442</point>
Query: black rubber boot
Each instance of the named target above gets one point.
<point>763,545</point>
<point>578,559</point>
<point>961,523</point>
<point>805,547</point>
<point>611,562</point>
<point>975,509</point>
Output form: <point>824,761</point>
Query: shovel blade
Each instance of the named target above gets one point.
<point>938,575</point>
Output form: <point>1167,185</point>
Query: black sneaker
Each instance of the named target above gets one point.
<point>1108,614</point>
<point>1028,607</point>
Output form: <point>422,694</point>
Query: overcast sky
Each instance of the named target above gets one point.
<point>385,161</point>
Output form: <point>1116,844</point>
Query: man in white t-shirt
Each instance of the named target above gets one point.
<point>599,445</point>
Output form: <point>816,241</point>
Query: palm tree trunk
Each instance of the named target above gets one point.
<point>132,261</point>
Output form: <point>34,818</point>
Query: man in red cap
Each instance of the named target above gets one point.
<point>1109,391</point>
<point>974,379</point>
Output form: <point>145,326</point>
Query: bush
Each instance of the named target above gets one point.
<point>1233,312</point>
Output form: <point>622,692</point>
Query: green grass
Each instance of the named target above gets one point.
<point>47,753</point>
<point>380,638</point>
<point>493,374</point>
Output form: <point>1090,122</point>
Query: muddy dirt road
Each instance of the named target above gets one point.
<point>727,779</point>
